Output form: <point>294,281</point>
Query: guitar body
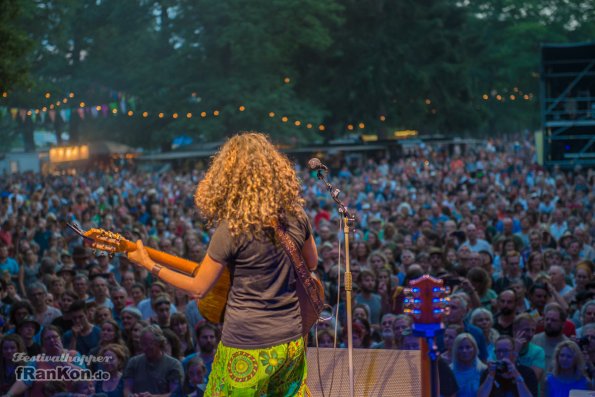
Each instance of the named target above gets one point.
<point>212,306</point>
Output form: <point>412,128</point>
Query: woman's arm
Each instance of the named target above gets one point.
<point>473,296</point>
<point>17,389</point>
<point>198,285</point>
<point>310,253</point>
<point>522,389</point>
<point>486,387</point>
<point>557,297</point>
<point>128,383</point>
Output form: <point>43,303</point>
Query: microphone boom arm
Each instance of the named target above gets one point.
<point>335,195</point>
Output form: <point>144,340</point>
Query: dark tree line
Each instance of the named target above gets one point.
<point>379,64</point>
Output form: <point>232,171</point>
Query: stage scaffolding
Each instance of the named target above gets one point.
<point>568,104</point>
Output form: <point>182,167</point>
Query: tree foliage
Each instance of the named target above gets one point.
<point>14,48</point>
<point>352,66</point>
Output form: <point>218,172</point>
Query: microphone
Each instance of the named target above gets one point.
<point>315,165</point>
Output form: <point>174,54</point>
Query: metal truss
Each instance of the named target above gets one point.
<point>568,104</point>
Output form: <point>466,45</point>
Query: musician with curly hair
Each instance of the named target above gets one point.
<point>250,191</point>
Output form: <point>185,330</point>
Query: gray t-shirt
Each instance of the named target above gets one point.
<point>154,378</point>
<point>262,308</point>
<point>549,347</point>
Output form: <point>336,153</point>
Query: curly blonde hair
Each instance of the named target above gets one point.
<point>579,361</point>
<point>250,185</point>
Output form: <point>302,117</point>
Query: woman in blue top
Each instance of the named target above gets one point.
<point>466,365</point>
<point>568,374</point>
<point>116,356</point>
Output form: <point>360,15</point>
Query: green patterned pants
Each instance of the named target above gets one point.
<point>278,371</point>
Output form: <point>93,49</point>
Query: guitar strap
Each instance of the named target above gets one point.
<point>300,267</point>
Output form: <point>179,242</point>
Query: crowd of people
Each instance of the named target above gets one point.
<point>513,242</point>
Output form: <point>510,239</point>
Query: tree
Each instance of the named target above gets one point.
<point>508,63</point>
<point>14,48</point>
<point>404,62</point>
<point>284,66</point>
<point>246,53</point>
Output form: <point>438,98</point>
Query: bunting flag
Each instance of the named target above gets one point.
<point>3,111</point>
<point>94,112</point>
<point>123,105</point>
<point>22,114</point>
<point>33,115</point>
<point>132,103</point>
<point>81,113</point>
<point>52,114</point>
<point>42,117</point>
<point>104,110</point>
<point>65,114</point>
<point>113,106</point>
<point>14,112</point>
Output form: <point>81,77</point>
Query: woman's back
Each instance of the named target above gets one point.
<point>262,308</point>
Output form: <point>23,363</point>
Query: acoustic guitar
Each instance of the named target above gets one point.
<point>212,306</point>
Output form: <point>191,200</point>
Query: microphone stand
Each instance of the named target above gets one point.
<point>347,217</point>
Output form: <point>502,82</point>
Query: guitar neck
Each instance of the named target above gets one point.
<point>170,261</point>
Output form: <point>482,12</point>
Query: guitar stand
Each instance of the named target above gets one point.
<point>429,358</point>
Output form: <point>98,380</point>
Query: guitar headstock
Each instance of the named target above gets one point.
<point>425,302</point>
<point>102,240</point>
